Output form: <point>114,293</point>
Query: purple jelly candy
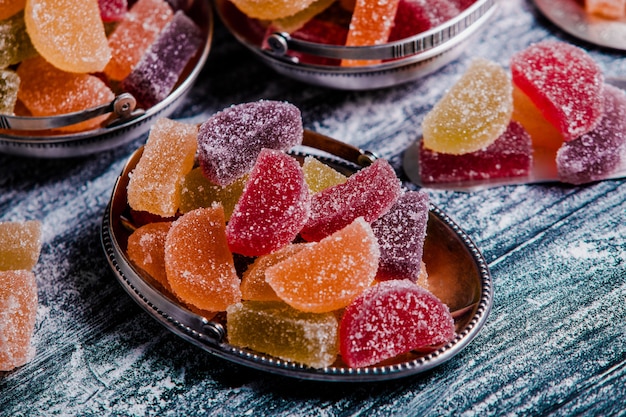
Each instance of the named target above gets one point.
<point>159,69</point>
<point>369,193</point>
<point>601,151</point>
<point>509,156</point>
<point>400,233</point>
<point>230,141</point>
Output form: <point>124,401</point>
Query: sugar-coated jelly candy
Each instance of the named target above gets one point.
<point>612,9</point>
<point>328,274</point>
<point>276,329</point>
<point>370,25</point>
<point>296,21</point>
<point>146,249</point>
<point>318,31</point>
<point>16,44</point>
<point>271,9</point>
<point>9,8</point>
<point>601,151</point>
<point>168,155</point>
<point>369,193</point>
<point>473,113</point>
<point>158,70</point>
<point>20,244</point>
<point>113,10</point>
<point>198,263</point>
<point>9,86</point>
<point>400,233</point>
<point>564,82</point>
<point>273,208</point>
<point>417,16</point>
<point>197,191</point>
<point>134,34</point>
<point>253,284</point>
<point>320,176</point>
<point>47,91</point>
<point>230,141</point>
<point>542,132</point>
<point>509,156</point>
<point>391,318</point>
<point>69,34</point>
<point>18,313</point>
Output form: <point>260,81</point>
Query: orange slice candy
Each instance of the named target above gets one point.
<point>146,248</point>
<point>271,9</point>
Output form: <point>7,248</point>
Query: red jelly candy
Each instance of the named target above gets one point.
<point>392,318</point>
<point>273,207</point>
<point>230,141</point>
<point>565,84</point>
<point>401,234</point>
<point>113,10</point>
<point>417,16</point>
<point>369,193</point>
<point>509,156</point>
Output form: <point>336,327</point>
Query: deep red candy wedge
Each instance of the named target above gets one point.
<point>417,16</point>
<point>392,318</point>
<point>369,193</point>
<point>230,141</point>
<point>273,207</point>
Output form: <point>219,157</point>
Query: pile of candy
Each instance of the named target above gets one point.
<point>308,264</point>
<point>556,101</point>
<point>348,22</point>
<point>65,56</point>
<point>20,244</point>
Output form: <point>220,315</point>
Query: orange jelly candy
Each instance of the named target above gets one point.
<point>370,25</point>
<point>18,311</point>
<point>542,133</point>
<point>168,156</point>
<point>69,34</point>
<point>146,248</point>
<point>47,91</point>
<point>9,8</point>
<point>199,266</point>
<point>20,244</point>
<point>134,34</point>
<point>271,9</point>
<point>327,275</point>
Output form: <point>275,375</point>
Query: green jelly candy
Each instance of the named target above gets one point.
<point>16,44</point>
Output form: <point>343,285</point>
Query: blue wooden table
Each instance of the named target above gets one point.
<point>554,343</point>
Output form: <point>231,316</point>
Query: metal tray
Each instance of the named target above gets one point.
<point>457,272</point>
<point>131,123</point>
<point>409,59</point>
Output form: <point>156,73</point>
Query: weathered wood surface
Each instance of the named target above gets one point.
<point>554,344</point>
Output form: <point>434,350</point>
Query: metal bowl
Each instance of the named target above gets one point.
<point>403,60</point>
<point>36,137</point>
<point>458,275</point>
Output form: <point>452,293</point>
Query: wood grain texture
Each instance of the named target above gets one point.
<point>554,344</point>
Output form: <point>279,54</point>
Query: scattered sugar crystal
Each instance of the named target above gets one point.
<point>9,86</point>
<point>146,249</point>
<point>20,244</point>
<point>320,176</point>
<point>197,191</point>
<point>16,44</point>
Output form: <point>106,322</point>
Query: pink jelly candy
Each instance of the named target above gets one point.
<point>273,207</point>
<point>369,193</point>
<point>159,69</point>
<point>565,84</point>
<point>601,151</point>
<point>400,233</point>
<point>392,318</point>
<point>112,10</point>
<point>416,16</point>
<point>509,156</point>
<point>230,141</point>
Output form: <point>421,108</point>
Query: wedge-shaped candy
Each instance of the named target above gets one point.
<point>113,10</point>
<point>296,21</point>
<point>274,206</point>
<point>601,151</point>
<point>230,141</point>
<point>417,16</point>
<point>199,266</point>
<point>9,8</point>
<point>20,244</point>
<point>369,193</point>
<point>400,233</point>
<point>159,69</point>
<point>271,9</point>
<point>253,284</point>
<point>327,275</point>
<point>320,176</point>
<point>9,86</point>
<point>16,44</point>
<point>508,157</point>
<point>565,84</point>
<point>168,156</point>
<point>392,318</point>
<point>69,34</point>
<point>317,31</point>
<point>542,132</point>
<point>197,191</point>
<point>473,113</point>
<point>18,313</point>
<point>276,329</point>
<point>146,248</point>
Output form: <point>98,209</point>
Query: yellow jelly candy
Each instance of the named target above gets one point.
<point>271,9</point>
<point>294,22</point>
<point>197,191</point>
<point>320,176</point>
<point>69,34</point>
<point>473,113</point>
<point>168,156</point>
<point>20,244</point>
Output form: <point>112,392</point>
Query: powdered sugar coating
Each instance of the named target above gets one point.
<point>391,318</point>
<point>20,244</point>
<point>230,141</point>
<point>601,151</point>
